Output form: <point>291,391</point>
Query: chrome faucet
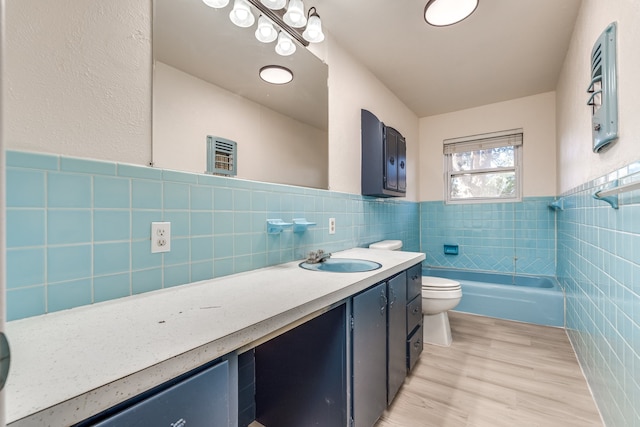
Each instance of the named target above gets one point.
<point>317,256</point>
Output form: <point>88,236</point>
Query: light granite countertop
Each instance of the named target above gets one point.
<point>69,365</point>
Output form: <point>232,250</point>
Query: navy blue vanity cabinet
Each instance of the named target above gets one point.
<point>301,375</point>
<point>396,334</point>
<point>414,316</point>
<point>384,159</point>
<point>369,352</point>
<point>200,398</point>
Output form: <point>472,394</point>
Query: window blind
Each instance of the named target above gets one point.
<point>486,141</point>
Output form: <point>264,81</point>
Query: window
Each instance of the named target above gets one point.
<point>484,168</point>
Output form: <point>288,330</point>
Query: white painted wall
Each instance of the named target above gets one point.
<point>534,114</point>
<point>271,147</point>
<point>78,79</point>
<point>351,88</point>
<point>577,163</point>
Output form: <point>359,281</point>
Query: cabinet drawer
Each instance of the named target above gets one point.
<point>414,281</point>
<point>414,348</point>
<point>414,313</point>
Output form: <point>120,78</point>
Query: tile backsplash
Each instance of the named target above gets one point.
<point>599,268</point>
<point>503,237</point>
<point>78,230</point>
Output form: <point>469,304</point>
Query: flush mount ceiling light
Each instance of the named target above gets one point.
<point>265,32</point>
<point>441,13</point>
<point>276,74</point>
<point>285,46</point>
<point>241,14</point>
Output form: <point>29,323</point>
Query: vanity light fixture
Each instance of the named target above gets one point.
<point>217,4</point>
<point>292,22</point>
<point>241,14</point>
<point>276,74</point>
<point>441,13</point>
<point>285,46</point>
<point>265,32</point>
<point>274,4</point>
<point>294,16</point>
<point>313,33</point>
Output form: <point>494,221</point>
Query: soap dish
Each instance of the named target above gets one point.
<point>300,225</point>
<point>275,226</point>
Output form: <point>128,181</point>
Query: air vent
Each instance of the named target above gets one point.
<point>604,90</point>
<point>221,156</point>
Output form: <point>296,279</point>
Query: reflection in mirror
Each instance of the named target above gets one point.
<point>207,83</point>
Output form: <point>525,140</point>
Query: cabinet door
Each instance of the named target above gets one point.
<point>200,400</point>
<point>402,164</point>
<point>397,334</point>
<point>391,159</point>
<point>369,340</point>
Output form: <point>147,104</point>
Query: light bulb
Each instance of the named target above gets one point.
<point>285,46</point>
<point>265,32</point>
<point>313,33</point>
<point>217,4</point>
<point>241,14</point>
<point>294,16</point>
<point>274,4</point>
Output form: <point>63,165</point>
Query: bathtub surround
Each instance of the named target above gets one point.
<point>516,237</point>
<point>599,268</point>
<point>78,230</point>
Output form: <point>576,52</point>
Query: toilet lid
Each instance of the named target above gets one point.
<point>433,282</point>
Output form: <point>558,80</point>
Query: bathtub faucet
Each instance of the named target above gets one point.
<point>317,256</point>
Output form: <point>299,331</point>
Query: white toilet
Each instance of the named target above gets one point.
<point>438,296</point>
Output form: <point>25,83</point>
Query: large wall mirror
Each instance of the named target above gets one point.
<point>206,82</point>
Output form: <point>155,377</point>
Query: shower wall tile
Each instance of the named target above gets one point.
<point>599,268</point>
<point>503,237</point>
<point>79,230</point>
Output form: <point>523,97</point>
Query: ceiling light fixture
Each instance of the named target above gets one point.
<point>276,74</point>
<point>241,14</point>
<point>441,13</point>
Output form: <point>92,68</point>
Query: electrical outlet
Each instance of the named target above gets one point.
<point>332,226</point>
<point>160,237</point>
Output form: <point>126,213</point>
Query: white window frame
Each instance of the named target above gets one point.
<point>507,138</point>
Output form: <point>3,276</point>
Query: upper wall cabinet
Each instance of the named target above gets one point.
<point>384,159</point>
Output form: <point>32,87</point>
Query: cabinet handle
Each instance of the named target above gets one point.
<point>414,277</point>
<point>394,298</point>
<point>383,302</point>
<point>415,310</point>
<point>416,345</point>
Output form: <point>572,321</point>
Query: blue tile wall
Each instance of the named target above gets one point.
<point>502,237</point>
<point>78,230</point>
<point>599,268</point>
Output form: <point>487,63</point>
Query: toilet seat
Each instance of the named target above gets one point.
<point>439,284</point>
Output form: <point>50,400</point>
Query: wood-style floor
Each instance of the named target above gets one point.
<point>496,373</point>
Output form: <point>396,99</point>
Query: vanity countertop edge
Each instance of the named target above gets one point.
<point>69,365</point>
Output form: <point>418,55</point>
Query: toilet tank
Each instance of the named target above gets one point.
<point>388,245</point>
